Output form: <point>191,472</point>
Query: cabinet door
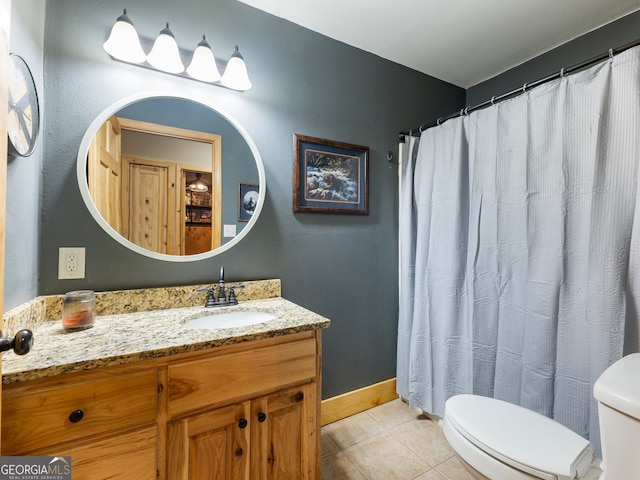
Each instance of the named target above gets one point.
<point>283,436</point>
<point>210,446</point>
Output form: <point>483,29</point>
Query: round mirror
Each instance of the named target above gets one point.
<point>171,177</point>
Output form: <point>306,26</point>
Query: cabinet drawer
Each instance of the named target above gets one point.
<point>121,457</point>
<point>201,383</point>
<point>33,418</point>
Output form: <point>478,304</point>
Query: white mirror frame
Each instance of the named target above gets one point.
<point>81,168</point>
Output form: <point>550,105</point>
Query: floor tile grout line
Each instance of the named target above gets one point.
<point>387,429</point>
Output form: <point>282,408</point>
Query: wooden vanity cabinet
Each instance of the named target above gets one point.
<point>248,411</point>
<point>250,414</point>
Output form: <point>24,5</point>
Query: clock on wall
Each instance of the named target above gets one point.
<point>24,114</point>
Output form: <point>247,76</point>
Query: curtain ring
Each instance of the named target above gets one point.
<point>461,112</point>
<point>562,72</point>
<point>438,121</point>
<point>492,99</point>
<point>611,53</point>
<point>524,88</point>
<point>466,111</point>
<point>420,128</point>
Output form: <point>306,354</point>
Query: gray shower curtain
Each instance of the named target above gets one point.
<point>520,247</point>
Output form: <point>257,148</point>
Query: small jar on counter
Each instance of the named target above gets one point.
<point>78,310</point>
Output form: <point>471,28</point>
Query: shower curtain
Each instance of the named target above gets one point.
<point>520,247</point>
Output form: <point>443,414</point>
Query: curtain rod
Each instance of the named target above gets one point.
<point>524,88</point>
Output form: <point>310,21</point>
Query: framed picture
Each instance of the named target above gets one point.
<point>330,177</point>
<point>247,200</point>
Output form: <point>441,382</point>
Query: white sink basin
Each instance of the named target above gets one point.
<point>229,320</point>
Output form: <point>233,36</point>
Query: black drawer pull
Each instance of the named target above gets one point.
<point>243,423</point>
<point>299,396</point>
<point>76,416</point>
<point>262,417</point>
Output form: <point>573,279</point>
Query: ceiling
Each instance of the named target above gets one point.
<point>463,42</point>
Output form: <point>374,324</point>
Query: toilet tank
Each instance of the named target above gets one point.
<point>618,394</point>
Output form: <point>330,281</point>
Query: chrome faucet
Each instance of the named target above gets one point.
<point>221,300</point>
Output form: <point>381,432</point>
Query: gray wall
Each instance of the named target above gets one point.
<point>613,35</point>
<point>24,174</point>
<point>341,266</point>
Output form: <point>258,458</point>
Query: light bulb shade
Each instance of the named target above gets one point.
<point>123,42</point>
<point>198,185</point>
<point>203,64</point>
<point>165,55</point>
<point>235,75</point>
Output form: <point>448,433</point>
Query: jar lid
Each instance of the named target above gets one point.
<point>79,293</point>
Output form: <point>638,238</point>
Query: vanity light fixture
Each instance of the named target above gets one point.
<point>124,44</point>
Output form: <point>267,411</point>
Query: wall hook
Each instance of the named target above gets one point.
<point>389,156</point>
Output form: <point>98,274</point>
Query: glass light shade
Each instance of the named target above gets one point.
<point>165,55</point>
<point>235,75</point>
<point>198,185</point>
<point>123,42</point>
<point>203,64</point>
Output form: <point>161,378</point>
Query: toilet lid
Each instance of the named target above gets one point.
<point>520,437</point>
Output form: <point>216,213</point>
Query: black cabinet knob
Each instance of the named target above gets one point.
<point>76,416</point>
<point>243,423</point>
<point>262,417</point>
<point>299,396</point>
<point>238,452</point>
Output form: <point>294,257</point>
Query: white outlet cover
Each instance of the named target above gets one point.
<point>71,262</point>
<point>229,231</point>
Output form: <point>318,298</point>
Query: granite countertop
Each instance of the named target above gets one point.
<point>123,338</point>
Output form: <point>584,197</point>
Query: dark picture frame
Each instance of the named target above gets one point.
<point>247,200</point>
<point>330,177</point>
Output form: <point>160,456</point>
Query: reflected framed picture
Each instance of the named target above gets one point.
<point>247,200</point>
<point>330,177</point>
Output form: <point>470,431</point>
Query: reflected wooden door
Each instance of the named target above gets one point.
<point>105,170</point>
<point>148,219</point>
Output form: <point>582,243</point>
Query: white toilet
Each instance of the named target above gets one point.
<point>497,440</point>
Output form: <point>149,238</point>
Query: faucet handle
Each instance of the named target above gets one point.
<point>232,293</point>
<point>211,297</point>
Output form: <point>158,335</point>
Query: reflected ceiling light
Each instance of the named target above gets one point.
<point>203,64</point>
<point>198,185</point>
<point>235,75</point>
<point>165,55</point>
<point>123,42</point>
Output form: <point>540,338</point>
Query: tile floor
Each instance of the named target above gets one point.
<point>388,442</point>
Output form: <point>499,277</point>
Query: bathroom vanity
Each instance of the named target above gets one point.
<point>139,396</point>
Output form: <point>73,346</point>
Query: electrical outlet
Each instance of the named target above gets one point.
<point>71,262</point>
<point>229,231</point>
